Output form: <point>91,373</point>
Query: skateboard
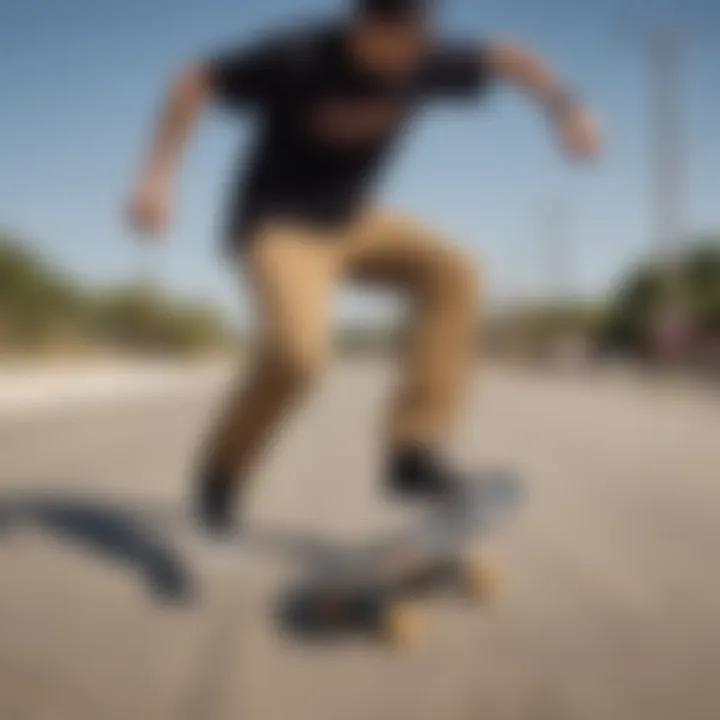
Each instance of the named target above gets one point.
<point>378,591</point>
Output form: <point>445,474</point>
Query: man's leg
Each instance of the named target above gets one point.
<point>291,276</point>
<point>440,356</point>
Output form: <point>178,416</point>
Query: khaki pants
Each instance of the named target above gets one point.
<point>293,270</point>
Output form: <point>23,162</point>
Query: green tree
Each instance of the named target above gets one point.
<point>697,274</point>
<point>40,306</point>
<point>35,298</point>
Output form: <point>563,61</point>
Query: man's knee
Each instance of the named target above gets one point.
<point>297,365</point>
<point>459,280</point>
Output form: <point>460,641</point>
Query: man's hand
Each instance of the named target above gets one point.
<point>579,133</point>
<point>577,129</point>
<point>150,206</point>
<point>151,201</point>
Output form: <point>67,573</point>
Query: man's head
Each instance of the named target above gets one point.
<point>390,35</point>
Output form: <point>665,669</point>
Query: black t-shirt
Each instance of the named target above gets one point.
<point>324,124</point>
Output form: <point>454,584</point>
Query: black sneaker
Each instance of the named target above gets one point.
<point>419,474</point>
<point>214,505</point>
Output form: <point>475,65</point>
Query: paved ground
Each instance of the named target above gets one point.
<point>612,610</point>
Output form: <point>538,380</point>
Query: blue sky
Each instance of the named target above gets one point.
<point>80,81</point>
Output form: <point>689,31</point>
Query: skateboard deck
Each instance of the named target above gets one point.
<point>378,590</point>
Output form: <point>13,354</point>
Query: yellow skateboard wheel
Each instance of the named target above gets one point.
<point>483,579</point>
<point>401,623</point>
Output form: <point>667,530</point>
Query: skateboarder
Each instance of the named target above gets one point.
<point>330,101</point>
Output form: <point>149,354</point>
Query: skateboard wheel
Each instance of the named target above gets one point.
<point>482,579</point>
<point>400,623</point>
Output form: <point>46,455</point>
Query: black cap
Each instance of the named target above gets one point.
<point>395,9</point>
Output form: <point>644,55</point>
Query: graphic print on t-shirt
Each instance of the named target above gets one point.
<point>354,121</point>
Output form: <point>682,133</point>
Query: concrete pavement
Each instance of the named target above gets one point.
<point>109,608</point>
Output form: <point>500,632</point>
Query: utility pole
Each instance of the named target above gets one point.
<point>557,251</point>
<point>667,172</point>
<point>668,169</point>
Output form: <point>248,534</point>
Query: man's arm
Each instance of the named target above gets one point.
<point>238,78</point>
<point>150,203</point>
<point>576,127</point>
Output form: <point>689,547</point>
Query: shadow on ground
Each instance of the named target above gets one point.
<point>123,534</point>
